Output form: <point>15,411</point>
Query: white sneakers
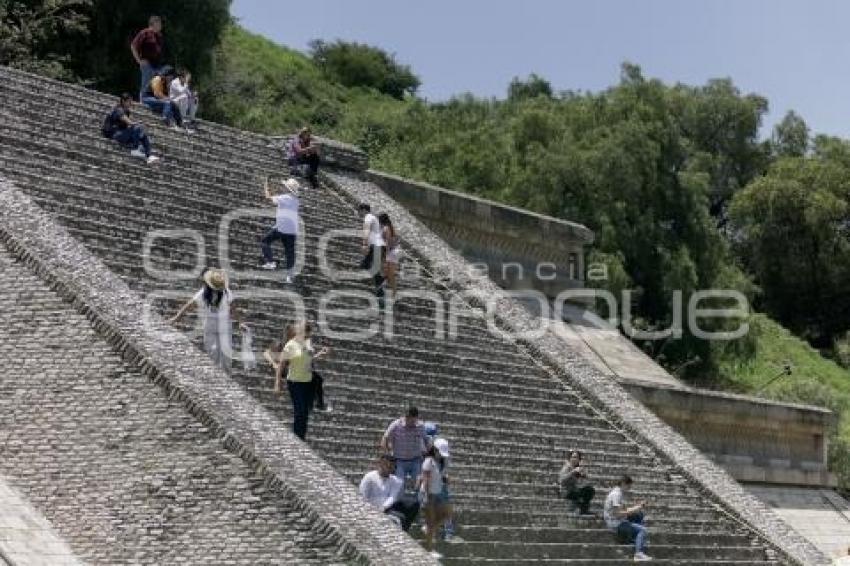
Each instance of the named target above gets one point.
<point>139,154</point>
<point>289,279</point>
<point>435,555</point>
<point>641,557</point>
<point>269,265</point>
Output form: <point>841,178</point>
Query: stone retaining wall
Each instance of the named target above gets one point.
<point>754,440</point>
<point>520,250</point>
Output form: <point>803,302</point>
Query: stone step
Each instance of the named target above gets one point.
<point>563,521</point>
<point>482,533</point>
<point>87,100</point>
<point>449,561</point>
<point>599,550</point>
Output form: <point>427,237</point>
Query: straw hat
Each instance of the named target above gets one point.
<point>216,279</point>
<point>292,185</point>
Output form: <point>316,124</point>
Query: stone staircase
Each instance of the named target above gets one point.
<point>510,421</point>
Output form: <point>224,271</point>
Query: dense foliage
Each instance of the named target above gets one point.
<point>356,65</point>
<point>37,35</point>
<point>89,40</point>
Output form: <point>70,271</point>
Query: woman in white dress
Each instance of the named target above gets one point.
<point>215,302</point>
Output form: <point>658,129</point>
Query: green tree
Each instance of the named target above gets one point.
<point>793,228</point>
<point>35,35</point>
<point>357,65</point>
<point>791,136</point>
<point>531,87</point>
<point>192,29</point>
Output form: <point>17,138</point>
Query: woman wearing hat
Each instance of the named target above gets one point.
<point>285,226</point>
<point>215,301</point>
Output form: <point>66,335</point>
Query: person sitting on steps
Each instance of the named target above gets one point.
<point>183,97</point>
<point>626,521</point>
<point>120,128</point>
<point>285,227</point>
<point>303,152</point>
<point>156,98</point>
<point>573,483</point>
<point>385,492</point>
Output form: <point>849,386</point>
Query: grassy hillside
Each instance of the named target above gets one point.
<point>268,88</point>
<point>814,379</point>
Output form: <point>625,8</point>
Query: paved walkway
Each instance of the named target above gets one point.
<point>26,538</point>
<point>820,515</point>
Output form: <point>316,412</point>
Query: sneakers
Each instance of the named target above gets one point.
<point>435,555</point>
<point>138,154</point>
<point>288,280</point>
<point>189,130</point>
<point>326,408</point>
<point>152,159</point>
<point>641,557</point>
<point>269,265</point>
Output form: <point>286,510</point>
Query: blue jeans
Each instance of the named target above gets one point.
<point>411,467</point>
<point>163,106</point>
<point>148,73</point>
<point>301,394</point>
<point>288,246</point>
<point>632,529</point>
<point>132,137</point>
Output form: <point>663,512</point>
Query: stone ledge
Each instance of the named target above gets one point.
<point>789,441</point>
<point>610,399</point>
<point>171,361</point>
<point>478,213</point>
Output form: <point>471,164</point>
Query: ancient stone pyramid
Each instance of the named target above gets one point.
<point>138,450</point>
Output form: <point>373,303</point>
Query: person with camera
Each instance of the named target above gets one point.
<point>626,519</point>
<point>574,483</point>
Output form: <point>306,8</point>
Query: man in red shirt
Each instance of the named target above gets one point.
<point>147,48</point>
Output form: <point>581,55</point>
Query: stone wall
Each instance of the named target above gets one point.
<point>521,250</point>
<point>754,440</point>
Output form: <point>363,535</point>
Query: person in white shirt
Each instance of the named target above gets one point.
<point>434,500</point>
<point>285,227</point>
<point>442,446</point>
<point>383,490</point>
<point>625,520</point>
<point>182,96</point>
<point>215,302</point>
<point>374,247</point>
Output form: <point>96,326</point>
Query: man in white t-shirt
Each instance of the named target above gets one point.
<point>383,490</point>
<point>374,247</point>
<point>626,521</point>
<point>285,227</point>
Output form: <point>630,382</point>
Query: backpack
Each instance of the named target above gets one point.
<point>108,128</point>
